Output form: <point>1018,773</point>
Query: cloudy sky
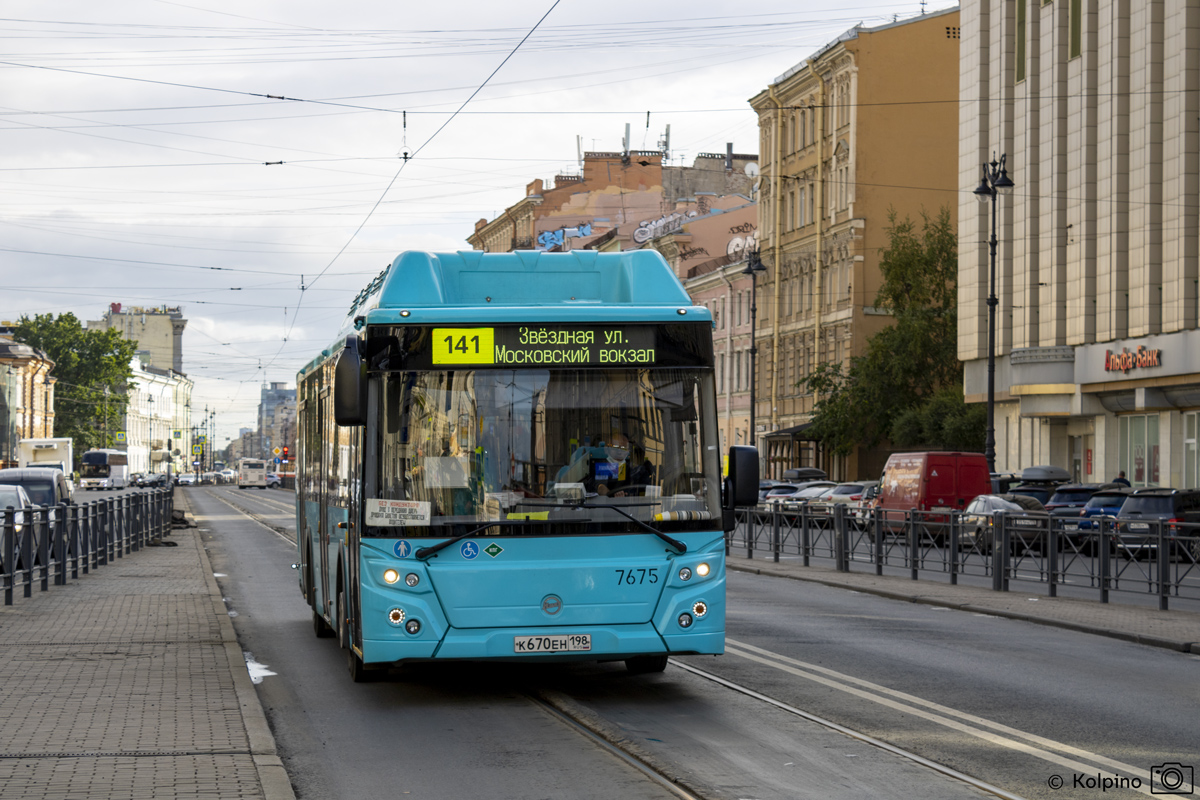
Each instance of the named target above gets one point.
<point>141,142</point>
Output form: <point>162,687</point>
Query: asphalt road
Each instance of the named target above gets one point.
<point>1007,702</point>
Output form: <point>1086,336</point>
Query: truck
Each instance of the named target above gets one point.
<point>53,453</point>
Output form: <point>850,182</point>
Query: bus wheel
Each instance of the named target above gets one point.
<point>642,665</point>
<point>358,672</point>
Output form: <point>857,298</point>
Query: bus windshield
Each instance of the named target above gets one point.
<point>94,470</point>
<point>561,446</point>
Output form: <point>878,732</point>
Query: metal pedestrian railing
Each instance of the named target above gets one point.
<point>61,541</point>
<point>1158,557</point>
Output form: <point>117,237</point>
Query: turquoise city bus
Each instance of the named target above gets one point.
<point>515,456</point>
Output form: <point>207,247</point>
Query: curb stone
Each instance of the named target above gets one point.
<point>272,774</point>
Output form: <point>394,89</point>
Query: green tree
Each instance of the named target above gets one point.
<point>907,384</point>
<point>86,363</point>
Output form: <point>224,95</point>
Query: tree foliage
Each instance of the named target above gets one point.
<point>907,384</point>
<point>85,364</point>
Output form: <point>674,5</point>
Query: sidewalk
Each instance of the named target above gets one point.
<point>129,683</point>
<point>1175,630</point>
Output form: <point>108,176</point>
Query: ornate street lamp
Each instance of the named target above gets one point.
<point>995,182</point>
<point>754,266</point>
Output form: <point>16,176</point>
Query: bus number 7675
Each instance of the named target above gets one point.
<point>634,577</point>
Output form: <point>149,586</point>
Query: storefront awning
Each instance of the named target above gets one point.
<point>794,432</point>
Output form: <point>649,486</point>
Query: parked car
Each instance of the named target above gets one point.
<point>796,492</point>
<point>14,496</point>
<point>274,481</point>
<point>1027,518</point>
<point>804,474</point>
<point>1041,482</point>
<point>45,486</point>
<point>765,486</point>
<point>931,482</point>
<point>1176,511</point>
<point>1003,481</point>
<point>1104,503</point>
<point>778,492</point>
<point>814,491</point>
<point>851,492</point>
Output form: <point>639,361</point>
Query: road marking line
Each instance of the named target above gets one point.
<point>943,715</point>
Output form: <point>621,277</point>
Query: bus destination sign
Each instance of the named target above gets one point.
<point>545,345</point>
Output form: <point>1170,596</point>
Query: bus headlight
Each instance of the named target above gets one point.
<point>412,579</point>
<point>396,616</point>
<point>699,608</point>
<point>685,574</point>
<point>685,620</point>
<point>390,576</point>
<point>413,627</point>
<point>702,570</point>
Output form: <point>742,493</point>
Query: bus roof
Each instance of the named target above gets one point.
<point>472,286</point>
<point>514,286</point>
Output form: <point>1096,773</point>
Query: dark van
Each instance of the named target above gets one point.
<point>931,482</point>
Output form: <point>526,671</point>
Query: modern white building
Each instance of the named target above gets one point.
<point>157,420</point>
<point>1097,107</point>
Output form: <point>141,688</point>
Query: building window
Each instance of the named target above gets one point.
<point>1020,54</point>
<point>1191,457</point>
<point>1076,12</point>
<point>1138,449</point>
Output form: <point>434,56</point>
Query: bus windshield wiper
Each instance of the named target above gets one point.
<point>425,552</point>
<point>678,545</point>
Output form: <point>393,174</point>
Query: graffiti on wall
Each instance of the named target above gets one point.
<point>664,225</point>
<point>740,244</point>
<point>548,239</point>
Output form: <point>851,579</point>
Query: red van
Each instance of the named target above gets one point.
<point>931,481</point>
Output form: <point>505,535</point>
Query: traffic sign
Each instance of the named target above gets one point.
<point>120,437</point>
<point>277,461</point>
<point>277,451</point>
<point>195,463</point>
<point>197,449</point>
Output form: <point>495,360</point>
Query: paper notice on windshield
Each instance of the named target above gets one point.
<point>397,513</point>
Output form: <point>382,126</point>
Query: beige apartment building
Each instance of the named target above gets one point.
<point>158,330</point>
<point>864,126</point>
<point>1097,107</point>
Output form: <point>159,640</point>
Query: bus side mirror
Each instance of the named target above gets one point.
<point>743,477</point>
<point>350,386</point>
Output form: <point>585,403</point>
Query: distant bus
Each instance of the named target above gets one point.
<point>104,469</point>
<point>490,470</point>
<point>252,472</point>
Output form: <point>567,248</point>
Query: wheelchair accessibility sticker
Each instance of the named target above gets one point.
<point>469,550</point>
<point>403,548</point>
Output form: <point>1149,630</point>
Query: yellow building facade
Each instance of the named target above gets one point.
<point>866,126</point>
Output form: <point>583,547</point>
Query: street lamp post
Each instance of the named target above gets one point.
<point>753,267</point>
<point>995,182</point>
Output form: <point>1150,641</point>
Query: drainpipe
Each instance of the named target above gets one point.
<point>728,349</point>
<point>819,204</point>
<point>777,192</point>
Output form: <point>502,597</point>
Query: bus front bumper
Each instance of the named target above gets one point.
<point>604,643</point>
